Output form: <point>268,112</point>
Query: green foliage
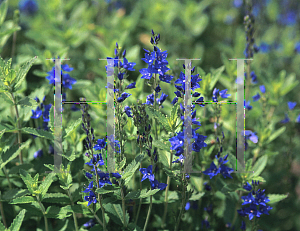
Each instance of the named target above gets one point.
<point>131,168</point>
<point>162,119</point>
<point>115,213</point>
<point>16,224</point>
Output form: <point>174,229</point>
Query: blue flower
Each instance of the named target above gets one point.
<point>156,185</point>
<point>38,153</point>
<point>223,94</point>
<point>90,223</point>
<point>91,198</point>
<point>292,105</point>
<point>179,160</point>
<point>100,144</point>
<point>127,110</point>
<point>264,47</point>
<point>285,120</point>
<point>297,47</point>
<point>103,179</point>
<point>243,227</point>
<point>150,99</point>
<point>256,97</point>
<point>96,160</point>
<point>51,149</point>
<point>207,187</point>
<point>37,113</point>
<point>237,3</point>
<point>225,171</point>
<point>68,81</point>
<point>28,7</point>
<point>147,173</point>
<point>74,108</point>
<point>247,105</point>
<point>123,97</point>
<point>248,187</point>
<point>166,78</point>
<point>199,142</point>
<point>206,223</point>
<point>89,187</point>
<point>46,113</point>
<point>248,199</point>
<point>130,86</point>
<point>212,170</point>
<point>88,175</point>
<point>288,19</point>
<point>162,98</point>
<point>116,175</point>
<point>128,66</point>
<point>175,100</point>
<point>262,89</point>
<point>298,119</point>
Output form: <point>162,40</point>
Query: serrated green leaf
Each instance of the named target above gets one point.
<point>39,133</point>
<point>44,186</point>
<point>72,127</point>
<point>162,119</point>
<point>173,116</point>
<point>196,196</point>
<point>115,213</point>
<point>26,177</point>
<point>22,72</point>
<point>259,166</point>
<point>17,222</point>
<point>23,200</point>
<point>107,189</point>
<point>14,193</point>
<point>248,165</point>
<point>215,76</point>
<point>51,118</point>
<point>2,132</point>
<point>274,198</point>
<point>33,208</point>
<point>58,213</point>
<point>132,167</point>
<point>122,164</point>
<point>3,11</point>
<point>12,153</point>
<point>16,169</point>
<point>276,134</point>
<point>40,73</point>
<point>162,145</point>
<point>27,102</point>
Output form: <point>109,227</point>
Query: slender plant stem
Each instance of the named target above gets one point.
<point>248,80</point>
<point>236,207</point>
<point>140,204</point>
<point>99,199</point>
<point>97,218</point>
<point>123,207</point>
<point>182,203</point>
<point>14,44</point>
<point>150,206</point>
<point>44,212</point>
<point>2,214</point>
<point>74,214</point>
<point>166,194</point>
<point>19,127</point>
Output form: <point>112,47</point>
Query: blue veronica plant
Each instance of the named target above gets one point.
<point>28,7</point>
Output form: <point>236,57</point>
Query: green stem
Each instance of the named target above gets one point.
<point>74,215</point>
<point>44,212</point>
<point>166,195</point>
<point>150,206</point>
<point>154,120</point>
<point>140,204</point>
<point>123,207</point>
<point>182,203</point>
<point>99,199</point>
<point>14,44</point>
<point>97,218</point>
<point>19,127</point>
<point>2,214</point>
<point>248,80</point>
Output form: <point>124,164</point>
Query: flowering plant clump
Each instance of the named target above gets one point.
<point>137,142</point>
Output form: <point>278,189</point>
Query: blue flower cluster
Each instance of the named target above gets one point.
<point>121,74</point>
<point>249,135</point>
<point>42,111</point>
<point>157,64</point>
<point>221,93</point>
<point>67,81</point>
<point>259,200</point>
<point>28,7</point>
<point>291,106</point>
<point>147,174</point>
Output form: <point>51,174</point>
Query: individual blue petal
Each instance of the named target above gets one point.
<point>292,105</point>
<point>262,89</point>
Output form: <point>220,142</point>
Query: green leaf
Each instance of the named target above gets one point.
<point>162,145</point>
<point>121,165</point>
<point>132,167</point>
<point>290,83</point>
<point>46,184</point>
<point>274,198</point>
<point>58,213</point>
<point>162,119</point>
<point>39,133</point>
<point>16,169</point>
<point>2,227</point>
<point>23,200</point>
<point>3,11</point>
<point>259,166</point>
<point>215,76</point>
<point>51,118</point>
<point>107,189</point>
<point>196,196</point>
<point>248,165</point>
<point>141,194</point>
<point>22,72</point>
<point>173,117</point>
<point>277,133</point>
<point>26,177</point>
<point>14,193</point>
<point>12,153</point>
<point>16,225</point>
<point>2,132</point>
<point>73,127</point>
<point>27,102</point>
<point>115,213</point>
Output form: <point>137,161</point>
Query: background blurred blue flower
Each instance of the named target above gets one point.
<point>28,7</point>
